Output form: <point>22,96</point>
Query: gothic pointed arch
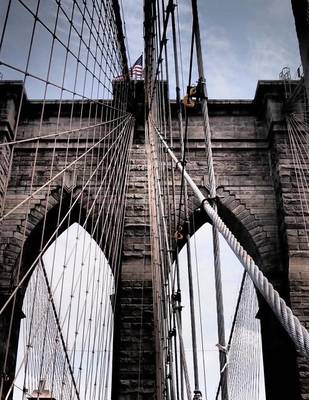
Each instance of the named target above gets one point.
<point>261,242</point>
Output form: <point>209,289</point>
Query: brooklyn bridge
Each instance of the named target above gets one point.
<point>127,200</point>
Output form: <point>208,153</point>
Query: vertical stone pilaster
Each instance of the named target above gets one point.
<point>10,97</point>
<point>299,286</point>
<point>293,242</point>
<point>134,362</point>
<point>301,12</point>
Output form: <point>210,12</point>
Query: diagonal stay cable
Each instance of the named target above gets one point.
<point>29,347</point>
<point>59,327</point>
<point>60,173</point>
<point>240,293</point>
<point>42,251</point>
<point>56,134</point>
<point>94,229</point>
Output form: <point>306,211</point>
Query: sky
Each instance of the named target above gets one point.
<point>242,40</point>
<point>78,274</point>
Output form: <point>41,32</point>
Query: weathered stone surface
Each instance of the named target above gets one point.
<point>257,198</point>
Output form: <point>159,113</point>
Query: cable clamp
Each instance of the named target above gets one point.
<point>191,99</point>
<point>172,333</point>
<point>224,349</point>
<point>183,163</point>
<point>177,308</point>
<point>170,7</point>
<point>203,202</point>
<point>178,235</point>
<point>176,296</point>
<point>214,198</point>
<point>5,376</point>
<point>210,201</point>
<point>202,81</point>
<point>178,162</point>
<point>201,89</point>
<point>197,395</point>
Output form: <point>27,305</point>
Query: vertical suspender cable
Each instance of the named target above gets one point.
<point>179,117</point>
<point>212,182</point>
<point>183,183</point>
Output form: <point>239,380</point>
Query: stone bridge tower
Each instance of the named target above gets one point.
<point>258,201</point>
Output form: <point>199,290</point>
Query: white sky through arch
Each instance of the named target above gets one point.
<point>232,272</point>
<point>82,285</point>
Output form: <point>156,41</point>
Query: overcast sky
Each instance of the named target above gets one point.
<point>243,41</point>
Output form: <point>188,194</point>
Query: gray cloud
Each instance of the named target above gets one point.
<point>243,41</point>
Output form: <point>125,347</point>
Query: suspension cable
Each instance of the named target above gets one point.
<point>291,323</point>
<point>212,183</point>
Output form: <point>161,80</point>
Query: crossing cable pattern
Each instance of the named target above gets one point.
<point>158,119</point>
<point>244,346</point>
<point>244,365</point>
<point>172,210</point>
<point>164,219</point>
<point>68,200</point>
<point>162,196</point>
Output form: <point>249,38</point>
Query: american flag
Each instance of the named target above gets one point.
<point>136,71</point>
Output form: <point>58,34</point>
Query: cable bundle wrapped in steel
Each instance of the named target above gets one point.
<point>292,325</point>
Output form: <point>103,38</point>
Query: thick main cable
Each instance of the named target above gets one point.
<point>289,321</point>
